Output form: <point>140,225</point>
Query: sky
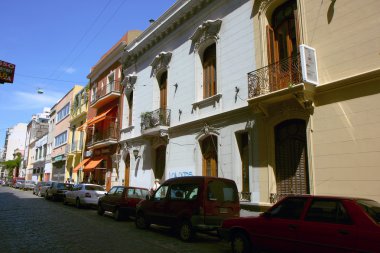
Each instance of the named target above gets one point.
<point>55,43</point>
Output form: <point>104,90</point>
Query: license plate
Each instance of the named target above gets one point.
<point>223,210</point>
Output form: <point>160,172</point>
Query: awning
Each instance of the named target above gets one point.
<point>84,161</point>
<point>92,164</point>
<point>95,119</point>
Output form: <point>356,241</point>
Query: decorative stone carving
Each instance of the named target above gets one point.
<point>207,130</point>
<point>207,31</point>
<point>129,83</point>
<point>161,62</point>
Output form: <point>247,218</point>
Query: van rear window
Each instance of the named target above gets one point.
<point>222,191</point>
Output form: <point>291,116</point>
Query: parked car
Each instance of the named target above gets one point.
<point>44,188</point>
<point>37,188</point>
<point>122,201</point>
<point>190,204</point>
<point>18,184</point>
<point>84,194</point>
<point>14,181</point>
<point>57,190</point>
<point>309,224</point>
<point>28,185</point>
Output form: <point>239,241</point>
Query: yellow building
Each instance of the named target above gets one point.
<point>315,132</point>
<point>75,147</point>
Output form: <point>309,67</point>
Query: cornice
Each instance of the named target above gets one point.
<point>173,18</point>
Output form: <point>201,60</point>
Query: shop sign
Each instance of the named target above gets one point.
<point>7,72</point>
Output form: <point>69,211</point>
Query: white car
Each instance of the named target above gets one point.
<point>84,195</point>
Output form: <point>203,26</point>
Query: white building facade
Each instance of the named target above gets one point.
<point>185,109</point>
<point>15,139</point>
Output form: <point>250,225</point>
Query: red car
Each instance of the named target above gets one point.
<point>308,224</point>
<point>121,201</point>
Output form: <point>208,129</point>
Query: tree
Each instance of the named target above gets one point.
<point>10,165</point>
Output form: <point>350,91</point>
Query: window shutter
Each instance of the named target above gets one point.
<point>296,21</point>
<point>271,46</point>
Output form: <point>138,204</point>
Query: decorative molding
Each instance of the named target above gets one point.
<point>207,31</point>
<point>210,100</point>
<point>129,83</point>
<point>207,130</point>
<point>161,62</point>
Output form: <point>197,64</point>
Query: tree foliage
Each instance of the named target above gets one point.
<point>10,165</point>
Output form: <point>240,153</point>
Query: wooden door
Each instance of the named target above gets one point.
<point>163,98</point>
<point>127,170</point>
<point>210,156</point>
<point>245,162</point>
<point>160,162</point>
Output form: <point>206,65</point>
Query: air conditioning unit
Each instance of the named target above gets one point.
<point>309,64</point>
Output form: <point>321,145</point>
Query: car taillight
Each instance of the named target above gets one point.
<point>87,195</point>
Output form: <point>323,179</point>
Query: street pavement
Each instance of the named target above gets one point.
<point>32,224</point>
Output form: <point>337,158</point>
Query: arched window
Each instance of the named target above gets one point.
<point>209,71</point>
<point>210,156</point>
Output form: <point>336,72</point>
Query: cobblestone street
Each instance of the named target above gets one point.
<point>32,224</point>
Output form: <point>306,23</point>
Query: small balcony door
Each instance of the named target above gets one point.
<point>163,97</point>
<point>282,45</point>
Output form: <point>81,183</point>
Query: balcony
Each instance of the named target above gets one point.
<point>74,148</point>
<point>105,94</point>
<point>107,136</point>
<point>155,122</point>
<point>279,82</point>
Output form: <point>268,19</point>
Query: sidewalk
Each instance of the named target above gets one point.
<point>247,213</point>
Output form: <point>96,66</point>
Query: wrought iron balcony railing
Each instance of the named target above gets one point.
<point>159,117</point>
<point>245,196</point>
<point>276,76</point>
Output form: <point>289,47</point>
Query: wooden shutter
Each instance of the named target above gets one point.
<point>127,170</point>
<point>271,46</point>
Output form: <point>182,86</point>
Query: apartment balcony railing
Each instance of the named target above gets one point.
<point>74,147</point>
<point>108,135</point>
<point>105,94</point>
<point>245,196</point>
<point>159,117</point>
<point>276,76</point>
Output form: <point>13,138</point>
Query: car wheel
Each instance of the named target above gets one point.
<point>77,203</point>
<point>53,197</point>
<point>46,195</point>
<point>141,222</point>
<point>240,243</point>
<point>100,209</point>
<point>117,214</point>
<point>186,231</point>
<point>64,200</point>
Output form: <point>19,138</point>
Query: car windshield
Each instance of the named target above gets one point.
<point>371,207</point>
<point>94,188</point>
<point>63,186</point>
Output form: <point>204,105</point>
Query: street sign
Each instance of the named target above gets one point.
<point>7,72</point>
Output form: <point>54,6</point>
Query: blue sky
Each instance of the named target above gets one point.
<point>55,43</point>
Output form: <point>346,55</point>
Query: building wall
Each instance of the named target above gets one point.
<point>234,54</point>
<point>16,140</point>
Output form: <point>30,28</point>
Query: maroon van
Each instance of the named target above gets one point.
<point>190,204</point>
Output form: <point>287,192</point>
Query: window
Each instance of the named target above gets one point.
<point>119,191</point>
<point>63,112</point>
<point>93,93</point>
<point>209,71</point>
<point>112,191</point>
<point>222,191</point>
<point>184,192</point>
<point>111,82</point>
<point>290,208</point>
<point>161,193</point>
<point>326,210</point>
<point>61,139</point>
<point>372,208</point>
<point>130,105</point>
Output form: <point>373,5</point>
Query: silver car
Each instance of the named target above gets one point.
<point>84,195</point>
<point>28,185</point>
<point>19,184</point>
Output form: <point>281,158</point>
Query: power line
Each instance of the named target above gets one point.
<point>81,39</point>
<point>50,79</point>
<point>96,35</point>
